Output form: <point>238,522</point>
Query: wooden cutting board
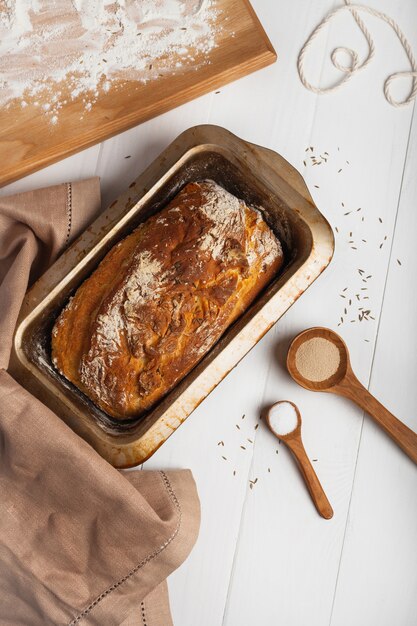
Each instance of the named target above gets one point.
<point>28,141</point>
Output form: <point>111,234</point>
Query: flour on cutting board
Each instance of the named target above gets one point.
<point>54,52</point>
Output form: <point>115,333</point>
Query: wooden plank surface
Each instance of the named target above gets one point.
<point>264,556</point>
<point>289,547</point>
<point>382,529</point>
<point>28,141</point>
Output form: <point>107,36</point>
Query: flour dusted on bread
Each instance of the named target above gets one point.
<point>162,297</point>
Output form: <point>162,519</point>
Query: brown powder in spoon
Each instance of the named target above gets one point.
<point>317,359</point>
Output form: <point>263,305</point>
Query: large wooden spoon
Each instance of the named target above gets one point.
<point>291,436</point>
<point>343,382</point>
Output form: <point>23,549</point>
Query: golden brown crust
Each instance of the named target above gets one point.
<point>162,297</point>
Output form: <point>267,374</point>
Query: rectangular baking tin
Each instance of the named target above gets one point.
<point>257,175</point>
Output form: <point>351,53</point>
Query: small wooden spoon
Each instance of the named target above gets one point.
<point>344,383</point>
<point>294,442</point>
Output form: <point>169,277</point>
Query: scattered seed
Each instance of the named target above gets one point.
<point>243,416</point>
<point>314,460</point>
<point>339,171</point>
<point>217,92</point>
<point>221,443</point>
<point>243,447</point>
<point>237,426</point>
<point>256,426</point>
<point>317,187</point>
<point>128,157</point>
<point>223,457</point>
<point>250,440</point>
<point>234,472</point>
<point>398,261</point>
<point>269,469</point>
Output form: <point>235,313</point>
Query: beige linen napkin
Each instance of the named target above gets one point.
<point>80,542</point>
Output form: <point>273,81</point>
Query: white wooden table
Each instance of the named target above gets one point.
<point>264,557</point>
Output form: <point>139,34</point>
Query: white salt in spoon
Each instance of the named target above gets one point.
<point>284,420</point>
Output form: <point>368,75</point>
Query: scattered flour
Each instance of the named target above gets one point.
<point>56,52</point>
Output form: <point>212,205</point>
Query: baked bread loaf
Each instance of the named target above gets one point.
<point>162,297</point>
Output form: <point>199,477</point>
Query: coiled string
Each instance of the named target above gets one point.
<point>354,65</point>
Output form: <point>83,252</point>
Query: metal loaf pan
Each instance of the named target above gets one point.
<point>257,175</point>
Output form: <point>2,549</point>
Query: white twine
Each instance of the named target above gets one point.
<point>354,65</point>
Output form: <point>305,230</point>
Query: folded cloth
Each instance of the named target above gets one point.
<point>80,542</point>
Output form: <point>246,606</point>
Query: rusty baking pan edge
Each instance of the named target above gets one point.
<point>279,183</point>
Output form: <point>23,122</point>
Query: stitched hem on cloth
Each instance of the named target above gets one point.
<point>69,212</point>
<point>147,559</point>
<point>142,611</point>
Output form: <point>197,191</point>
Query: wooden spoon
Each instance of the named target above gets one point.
<point>343,382</point>
<point>293,440</point>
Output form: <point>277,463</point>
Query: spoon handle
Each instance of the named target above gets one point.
<point>399,432</point>
<point>318,496</point>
